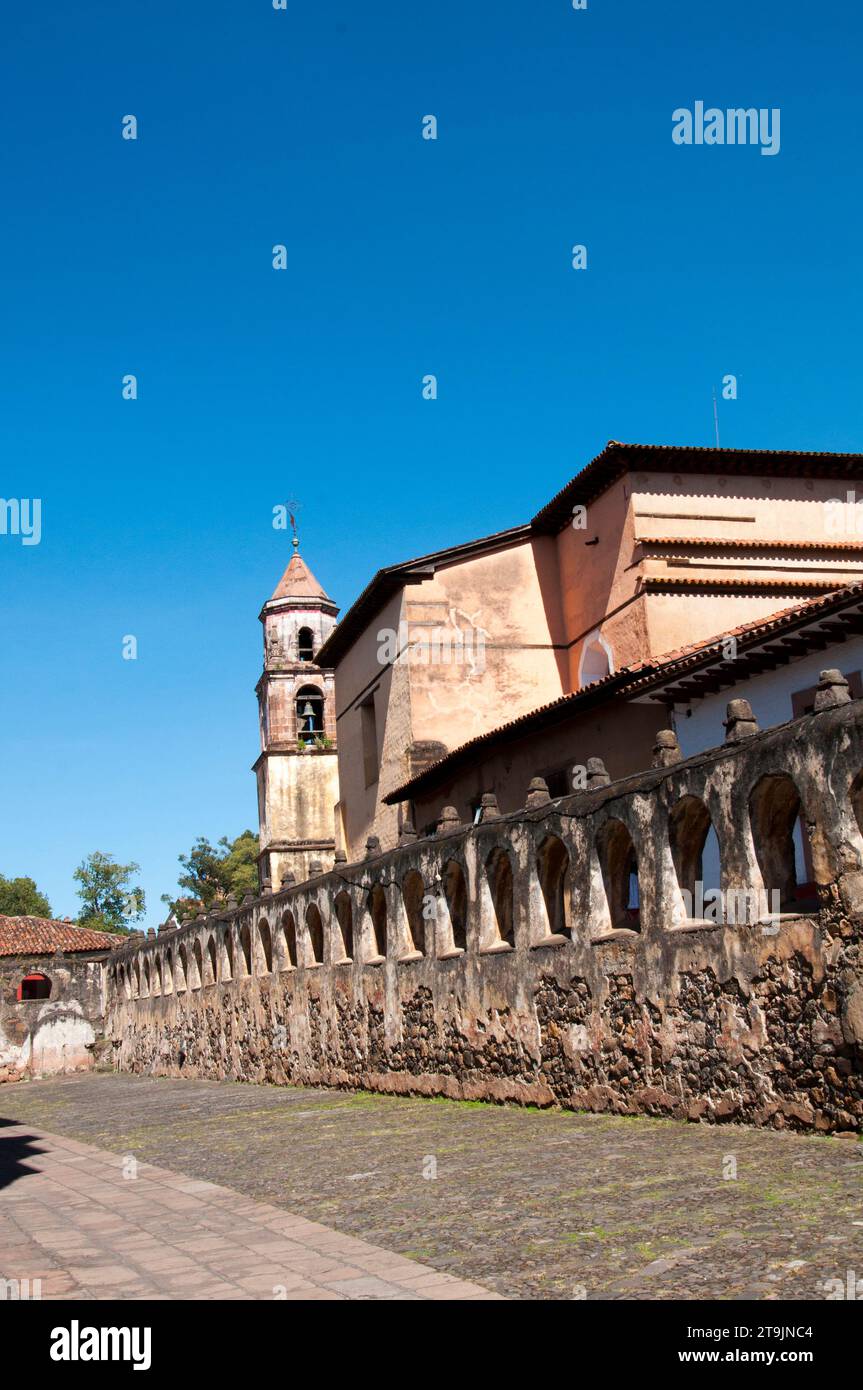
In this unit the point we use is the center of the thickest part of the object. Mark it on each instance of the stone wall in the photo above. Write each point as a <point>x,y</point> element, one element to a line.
<point>39,1037</point>
<point>509,960</point>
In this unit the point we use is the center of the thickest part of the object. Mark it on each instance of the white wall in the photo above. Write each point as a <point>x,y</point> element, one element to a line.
<point>770,697</point>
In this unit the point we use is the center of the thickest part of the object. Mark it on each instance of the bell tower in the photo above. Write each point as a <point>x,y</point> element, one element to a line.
<point>297,770</point>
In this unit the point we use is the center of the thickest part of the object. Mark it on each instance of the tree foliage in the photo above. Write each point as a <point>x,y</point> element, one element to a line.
<point>212,873</point>
<point>19,897</point>
<point>110,900</point>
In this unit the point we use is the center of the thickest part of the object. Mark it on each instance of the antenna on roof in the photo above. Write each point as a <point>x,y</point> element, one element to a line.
<point>715,419</point>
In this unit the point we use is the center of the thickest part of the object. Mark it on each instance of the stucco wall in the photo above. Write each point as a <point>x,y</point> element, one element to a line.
<point>699,725</point>
<point>620,733</point>
<point>505,609</point>
<point>360,677</point>
<point>698,506</point>
<point>43,1036</point>
<point>300,790</point>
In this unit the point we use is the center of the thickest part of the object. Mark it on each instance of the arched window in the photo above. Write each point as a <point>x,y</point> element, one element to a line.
<point>306,644</point>
<point>688,827</point>
<point>266,945</point>
<point>774,811</point>
<point>596,660</point>
<point>345,918</point>
<point>310,714</point>
<point>289,934</point>
<point>182,969</point>
<point>211,957</point>
<point>35,986</point>
<point>498,870</point>
<point>378,911</point>
<point>455,894</point>
<point>552,866</point>
<point>413,893</point>
<point>315,929</point>
<point>619,866</point>
<point>246,944</point>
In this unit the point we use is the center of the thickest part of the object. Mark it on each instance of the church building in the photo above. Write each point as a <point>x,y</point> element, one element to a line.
<point>650,550</point>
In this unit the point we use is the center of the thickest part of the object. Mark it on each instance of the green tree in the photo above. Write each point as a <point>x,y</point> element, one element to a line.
<point>240,864</point>
<point>110,901</point>
<point>212,872</point>
<point>19,897</point>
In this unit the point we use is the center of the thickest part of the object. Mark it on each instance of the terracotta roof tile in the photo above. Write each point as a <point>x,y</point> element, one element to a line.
<point>756,543</point>
<point>41,936</point>
<point>617,458</point>
<point>737,583</point>
<point>299,582</point>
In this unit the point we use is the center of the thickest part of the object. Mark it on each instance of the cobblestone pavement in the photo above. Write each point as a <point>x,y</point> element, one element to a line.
<point>533,1204</point>
<point>75,1225</point>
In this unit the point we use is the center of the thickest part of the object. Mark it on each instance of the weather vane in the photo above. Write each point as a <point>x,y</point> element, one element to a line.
<point>293,507</point>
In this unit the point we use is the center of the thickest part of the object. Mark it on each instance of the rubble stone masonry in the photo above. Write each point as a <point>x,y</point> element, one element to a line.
<point>512,960</point>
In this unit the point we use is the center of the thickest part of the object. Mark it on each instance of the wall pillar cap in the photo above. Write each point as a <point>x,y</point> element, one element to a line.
<point>833,689</point>
<point>537,793</point>
<point>666,749</point>
<point>407,834</point>
<point>449,820</point>
<point>373,847</point>
<point>597,775</point>
<point>489,809</point>
<point>740,722</point>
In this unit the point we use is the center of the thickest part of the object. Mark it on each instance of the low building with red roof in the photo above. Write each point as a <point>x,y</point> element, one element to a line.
<point>51,995</point>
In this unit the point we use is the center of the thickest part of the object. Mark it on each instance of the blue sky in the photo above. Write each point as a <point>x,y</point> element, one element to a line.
<point>405,257</point>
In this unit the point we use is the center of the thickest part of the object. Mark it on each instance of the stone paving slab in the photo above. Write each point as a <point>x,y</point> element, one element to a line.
<point>532,1204</point>
<point>57,1225</point>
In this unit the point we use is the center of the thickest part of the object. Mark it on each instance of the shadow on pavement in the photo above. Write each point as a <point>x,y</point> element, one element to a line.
<point>14,1148</point>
